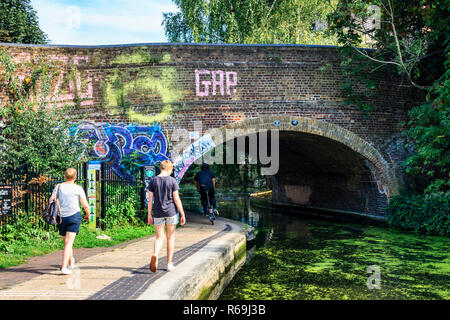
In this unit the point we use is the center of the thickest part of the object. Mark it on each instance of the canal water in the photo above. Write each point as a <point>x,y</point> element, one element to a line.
<point>297,258</point>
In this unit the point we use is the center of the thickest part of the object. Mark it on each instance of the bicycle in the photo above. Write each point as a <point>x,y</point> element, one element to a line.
<point>211,214</point>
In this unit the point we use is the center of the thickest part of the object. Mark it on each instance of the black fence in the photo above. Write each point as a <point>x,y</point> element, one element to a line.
<point>115,190</point>
<point>26,192</point>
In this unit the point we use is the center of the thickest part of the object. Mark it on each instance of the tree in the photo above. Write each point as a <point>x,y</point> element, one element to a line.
<point>250,21</point>
<point>411,39</point>
<point>429,126</point>
<point>408,35</point>
<point>34,133</point>
<point>19,23</point>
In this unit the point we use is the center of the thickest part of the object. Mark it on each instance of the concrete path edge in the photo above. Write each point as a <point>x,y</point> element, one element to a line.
<point>205,274</point>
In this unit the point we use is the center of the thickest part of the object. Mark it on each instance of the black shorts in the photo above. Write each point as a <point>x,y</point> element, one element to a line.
<point>70,224</point>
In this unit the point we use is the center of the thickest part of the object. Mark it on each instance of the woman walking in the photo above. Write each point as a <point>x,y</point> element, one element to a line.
<point>69,196</point>
<point>164,189</point>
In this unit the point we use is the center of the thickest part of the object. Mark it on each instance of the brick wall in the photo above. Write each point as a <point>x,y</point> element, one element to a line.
<point>117,84</point>
<point>177,84</point>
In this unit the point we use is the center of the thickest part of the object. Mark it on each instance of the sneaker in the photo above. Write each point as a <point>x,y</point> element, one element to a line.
<point>170,267</point>
<point>216,212</point>
<point>72,265</point>
<point>66,271</point>
<point>153,263</point>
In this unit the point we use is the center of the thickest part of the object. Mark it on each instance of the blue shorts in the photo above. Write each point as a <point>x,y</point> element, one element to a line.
<point>167,220</point>
<point>70,224</point>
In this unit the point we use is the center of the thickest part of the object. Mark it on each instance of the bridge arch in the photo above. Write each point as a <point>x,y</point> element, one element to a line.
<point>380,169</point>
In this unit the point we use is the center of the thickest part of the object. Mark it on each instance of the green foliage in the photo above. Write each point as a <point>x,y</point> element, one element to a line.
<point>238,176</point>
<point>408,35</point>
<point>249,21</point>
<point>411,39</point>
<point>429,126</point>
<point>429,213</point>
<point>34,134</point>
<point>27,228</point>
<point>230,176</point>
<point>124,212</point>
<point>19,23</point>
<point>132,162</point>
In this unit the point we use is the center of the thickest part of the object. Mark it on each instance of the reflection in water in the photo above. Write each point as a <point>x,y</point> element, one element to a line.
<point>298,258</point>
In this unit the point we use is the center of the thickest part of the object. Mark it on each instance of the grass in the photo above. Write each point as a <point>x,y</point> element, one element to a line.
<point>17,251</point>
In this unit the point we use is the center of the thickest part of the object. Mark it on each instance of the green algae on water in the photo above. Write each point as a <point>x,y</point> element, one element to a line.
<point>305,259</point>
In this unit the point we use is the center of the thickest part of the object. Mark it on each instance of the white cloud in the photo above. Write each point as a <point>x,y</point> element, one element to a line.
<point>103,22</point>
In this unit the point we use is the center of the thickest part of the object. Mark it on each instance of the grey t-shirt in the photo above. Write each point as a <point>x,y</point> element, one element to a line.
<point>163,188</point>
<point>69,198</point>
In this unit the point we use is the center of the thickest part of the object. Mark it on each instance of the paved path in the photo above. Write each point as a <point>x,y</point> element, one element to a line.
<point>116,273</point>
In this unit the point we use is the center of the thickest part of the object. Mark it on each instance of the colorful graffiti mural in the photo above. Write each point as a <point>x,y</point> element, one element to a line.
<point>112,143</point>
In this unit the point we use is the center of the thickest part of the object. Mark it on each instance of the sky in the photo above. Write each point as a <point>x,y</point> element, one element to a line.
<point>102,21</point>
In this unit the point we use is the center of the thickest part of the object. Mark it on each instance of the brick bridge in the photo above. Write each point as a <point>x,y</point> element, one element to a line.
<point>331,154</point>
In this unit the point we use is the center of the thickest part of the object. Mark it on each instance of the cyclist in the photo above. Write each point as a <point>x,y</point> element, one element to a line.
<point>205,182</point>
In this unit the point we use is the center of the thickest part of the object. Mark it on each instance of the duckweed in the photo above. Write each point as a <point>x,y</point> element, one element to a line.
<point>305,259</point>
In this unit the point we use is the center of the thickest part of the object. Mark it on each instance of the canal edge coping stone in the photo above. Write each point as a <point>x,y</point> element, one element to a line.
<point>205,274</point>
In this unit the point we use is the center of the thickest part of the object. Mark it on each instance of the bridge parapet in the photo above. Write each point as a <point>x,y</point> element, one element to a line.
<point>225,86</point>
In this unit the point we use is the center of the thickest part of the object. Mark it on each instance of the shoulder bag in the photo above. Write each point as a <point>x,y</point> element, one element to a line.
<point>53,211</point>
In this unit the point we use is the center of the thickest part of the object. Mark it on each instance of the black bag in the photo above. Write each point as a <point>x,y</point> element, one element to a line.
<point>52,212</point>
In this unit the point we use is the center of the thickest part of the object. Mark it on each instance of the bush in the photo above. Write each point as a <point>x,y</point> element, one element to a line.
<point>30,123</point>
<point>125,212</point>
<point>429,213</point>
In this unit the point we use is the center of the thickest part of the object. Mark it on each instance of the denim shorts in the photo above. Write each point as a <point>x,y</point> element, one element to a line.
<point>70,224</point>
<point>167,220</point>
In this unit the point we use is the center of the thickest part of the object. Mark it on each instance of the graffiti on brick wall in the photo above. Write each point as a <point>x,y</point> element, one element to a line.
<point>195,151</point>
<point>215,82</point>
<point>79,86</point>
<point>377,177</point>
<point>84,92</point>
<point>111,143</point>
<point>121,93</point>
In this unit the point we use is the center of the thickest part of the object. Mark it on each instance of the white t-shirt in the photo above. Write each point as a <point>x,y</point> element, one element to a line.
<point>69,197</point>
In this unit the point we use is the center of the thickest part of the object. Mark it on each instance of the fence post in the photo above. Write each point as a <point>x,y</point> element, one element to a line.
<point>102,195</point>
<point>148,173</point>
<point>26,187</point>
<point>143,188</point>
<point>85,174</point>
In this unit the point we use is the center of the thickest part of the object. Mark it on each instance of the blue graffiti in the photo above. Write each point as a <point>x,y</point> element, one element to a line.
<point>112,143</point>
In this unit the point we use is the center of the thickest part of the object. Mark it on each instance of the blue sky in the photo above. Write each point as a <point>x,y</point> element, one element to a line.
<point>102,21</point>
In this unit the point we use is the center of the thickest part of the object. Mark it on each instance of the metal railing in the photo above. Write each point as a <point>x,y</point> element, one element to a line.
<point>30,189</point>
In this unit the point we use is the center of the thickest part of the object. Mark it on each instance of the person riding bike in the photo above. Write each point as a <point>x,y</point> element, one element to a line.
<point>206,183</point>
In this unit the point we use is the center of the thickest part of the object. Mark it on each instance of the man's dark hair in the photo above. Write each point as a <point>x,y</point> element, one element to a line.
<point>205,166</point>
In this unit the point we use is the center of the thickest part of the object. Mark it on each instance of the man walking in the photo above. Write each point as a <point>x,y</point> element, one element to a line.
<point>164,189</point>
<point>205,182</point>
